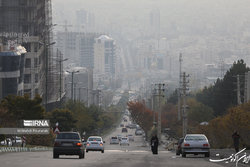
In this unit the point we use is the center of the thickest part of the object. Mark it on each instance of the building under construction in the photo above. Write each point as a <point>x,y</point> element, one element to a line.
<point>29,23</point>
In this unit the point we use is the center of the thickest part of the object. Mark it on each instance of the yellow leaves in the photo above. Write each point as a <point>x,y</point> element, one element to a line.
<point>220,129</point>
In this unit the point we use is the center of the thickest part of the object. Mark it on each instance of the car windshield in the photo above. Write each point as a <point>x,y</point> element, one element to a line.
<point>94,139</point>
<point>124,139</point>
<point>113,137</point>
<point>195,138</point>
<point>68,136</point>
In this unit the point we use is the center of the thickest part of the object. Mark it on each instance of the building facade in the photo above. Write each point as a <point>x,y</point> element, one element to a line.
<point>28,23</point>
<point>104,59</point>
<point>11,74</point>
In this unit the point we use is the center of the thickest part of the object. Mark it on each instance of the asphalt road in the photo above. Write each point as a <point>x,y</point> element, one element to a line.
<point>135,155</point>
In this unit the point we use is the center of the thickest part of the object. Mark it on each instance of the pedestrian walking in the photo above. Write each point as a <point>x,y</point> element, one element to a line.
<point>236,140</point>
<point>154,144</point>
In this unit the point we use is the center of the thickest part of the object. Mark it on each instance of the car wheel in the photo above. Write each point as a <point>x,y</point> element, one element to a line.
<point>102,151</point>
<point>183,155</point>
<point>207,155</point>
<point>55,155</point>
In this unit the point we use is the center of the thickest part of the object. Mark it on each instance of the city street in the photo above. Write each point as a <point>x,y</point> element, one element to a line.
<point>135,155</point>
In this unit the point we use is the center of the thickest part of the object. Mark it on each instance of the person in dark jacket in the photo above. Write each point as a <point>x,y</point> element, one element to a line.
<point>154,144</point>
<point>236,140</point>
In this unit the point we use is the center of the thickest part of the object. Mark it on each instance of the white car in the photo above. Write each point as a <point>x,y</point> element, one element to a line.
<point>7,142</point>
<point>114,140</point>
<point>195,144</point>
<point>124,141</point>
<point>95,143</point>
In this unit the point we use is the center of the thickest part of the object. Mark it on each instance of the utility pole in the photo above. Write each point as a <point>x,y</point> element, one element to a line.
<point>72,83</point>
<point>160,88</point>
<point>184,107</point>
<point>60,64</point>
<point>238,90</point>
<point>179,90</point>
<point>75,92</point>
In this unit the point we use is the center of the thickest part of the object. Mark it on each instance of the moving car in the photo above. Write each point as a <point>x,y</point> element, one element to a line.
<point>178,149</point>
<point>195,144</point>
<point>124,141</point>
<point>119,137</point>
<point>114,140</point>
<point>122,125</point>
<point>138,132</point>
<point>124,130</point>
<point>68,143</point>
<point>131,137</point>
<point>95,143</point>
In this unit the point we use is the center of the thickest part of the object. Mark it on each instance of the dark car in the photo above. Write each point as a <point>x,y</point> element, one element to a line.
<point>178,149</point>
<point>68,143</point>
<point>124,130</point>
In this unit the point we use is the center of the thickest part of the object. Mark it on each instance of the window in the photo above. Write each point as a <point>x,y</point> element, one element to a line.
<point>36,92</point>
<point>36,62</point>
<point>27,78</point>
<point>36,78</point>
<point>27,63</point>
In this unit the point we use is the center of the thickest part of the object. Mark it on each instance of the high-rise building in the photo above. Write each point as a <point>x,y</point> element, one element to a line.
<point>28,23</point>
<point>104,58</point>
<point>77,47</point>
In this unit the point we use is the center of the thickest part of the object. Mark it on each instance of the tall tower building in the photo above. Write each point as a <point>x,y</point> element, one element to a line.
<point>104,58</point>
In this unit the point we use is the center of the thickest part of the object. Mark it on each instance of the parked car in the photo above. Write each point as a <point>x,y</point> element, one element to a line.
<point>6,142</point>
<point>114,140</point>
<point>124,130</point>
<point>17,141</point>
<point>68,143</point>
<point>124,141</point>
<point>95,143</point>
<point>131,137</point>
<point>195,144</point>
<point>178,148</point>
<point>122,125</point>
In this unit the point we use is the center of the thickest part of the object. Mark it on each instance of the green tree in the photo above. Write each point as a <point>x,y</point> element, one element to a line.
<point>21,107</point>
<point>199,112</point>
<point>64,117</point>
<point>222,95</point>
